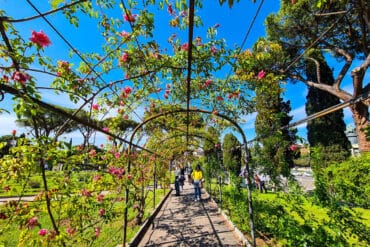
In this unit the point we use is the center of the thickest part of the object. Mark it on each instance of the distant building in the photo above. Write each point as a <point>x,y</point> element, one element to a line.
<point>352,137</point>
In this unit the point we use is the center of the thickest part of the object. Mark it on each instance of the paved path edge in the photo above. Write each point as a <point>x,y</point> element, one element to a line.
<point>236,230</point>
<point>144,227</point>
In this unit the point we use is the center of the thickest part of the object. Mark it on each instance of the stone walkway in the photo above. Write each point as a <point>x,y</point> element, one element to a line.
<point>184,222</point>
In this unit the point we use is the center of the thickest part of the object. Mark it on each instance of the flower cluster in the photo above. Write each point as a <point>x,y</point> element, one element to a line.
<point>116,171</point>
<point>21,77</point>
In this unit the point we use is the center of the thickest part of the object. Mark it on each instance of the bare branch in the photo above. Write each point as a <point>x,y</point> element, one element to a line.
<point>331,13</point>
<point>343,95</point>
<point>318,73</point>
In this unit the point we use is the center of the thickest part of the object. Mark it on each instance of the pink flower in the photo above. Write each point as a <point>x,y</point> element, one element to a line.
<point>129,176</point>
<point>96,177</point>
<point>95,107</point>
<point>106,129</point>
<point>92,153</point>
<point>14,132</point>
<point>101,211</point>
<point>118,172</point>
<point>100,197</point>
<point>185,47</point>
<point>20,77</point>
<point>85,192</point>
<point>124,58</point>
<point>125,35</point>
<point>207,83</point>
<point>31,223</point>
<point>261,75</point>
<point>116,155</point>
<point>40,39</point>
<point>71,231</point>
<point>97,231</point>
<point>43,232</point>
<point>7,188</point>
<point>293,147</point>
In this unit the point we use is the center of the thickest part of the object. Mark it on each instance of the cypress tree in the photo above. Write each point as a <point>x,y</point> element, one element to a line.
<point>330,129</point>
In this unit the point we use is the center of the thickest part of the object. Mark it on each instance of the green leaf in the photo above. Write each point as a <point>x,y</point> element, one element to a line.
<point>55,3</point>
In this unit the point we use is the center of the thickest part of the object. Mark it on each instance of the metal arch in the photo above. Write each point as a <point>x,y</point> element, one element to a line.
<point>246,161</point>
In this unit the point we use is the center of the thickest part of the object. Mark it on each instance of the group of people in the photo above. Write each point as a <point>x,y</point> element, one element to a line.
<point>195,177</point>
<point>261,182</point>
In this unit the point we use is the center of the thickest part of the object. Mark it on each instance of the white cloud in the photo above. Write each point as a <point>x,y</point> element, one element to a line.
<point>7,124</point>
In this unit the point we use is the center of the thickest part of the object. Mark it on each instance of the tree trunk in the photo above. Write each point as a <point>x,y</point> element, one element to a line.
<point>360,117</point>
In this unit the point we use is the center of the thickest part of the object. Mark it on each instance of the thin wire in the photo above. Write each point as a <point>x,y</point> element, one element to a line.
<point>246,35</point>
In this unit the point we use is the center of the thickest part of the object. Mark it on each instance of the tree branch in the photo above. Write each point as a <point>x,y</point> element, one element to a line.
<point>343,95</point>
<point>44,14</point>
<point>318,73</point>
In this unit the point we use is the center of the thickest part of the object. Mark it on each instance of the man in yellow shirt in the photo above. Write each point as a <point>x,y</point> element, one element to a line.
<point>197,176</point>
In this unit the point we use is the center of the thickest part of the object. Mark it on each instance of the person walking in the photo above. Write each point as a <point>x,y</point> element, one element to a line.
<point>197,176</point>
<point>177,180</point>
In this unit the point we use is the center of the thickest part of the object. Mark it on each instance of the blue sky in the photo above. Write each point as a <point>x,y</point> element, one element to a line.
<point>234,24</point>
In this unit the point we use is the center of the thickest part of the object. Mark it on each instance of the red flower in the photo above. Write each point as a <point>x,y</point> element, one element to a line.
<point>101,211</point>
<point>219,98</point>
<point>43,232</point>
<point>3,216</point>
<point>127,90</point>
<point>124,58</point>
<point>130,17</point>
<point>169,9</point>
<point>261,75</point>
<point>7,188</point>
<point>95,107</point>
<point>40,39</point>
<point>14,132</point>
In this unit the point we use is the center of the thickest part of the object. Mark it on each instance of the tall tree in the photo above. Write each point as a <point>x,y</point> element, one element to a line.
<point>232,154</point>
<point>256,68</point>
<point>318,100</point>
<point>340,29</point>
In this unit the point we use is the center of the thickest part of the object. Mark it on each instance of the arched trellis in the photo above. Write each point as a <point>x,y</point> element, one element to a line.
<point>246,161</point>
